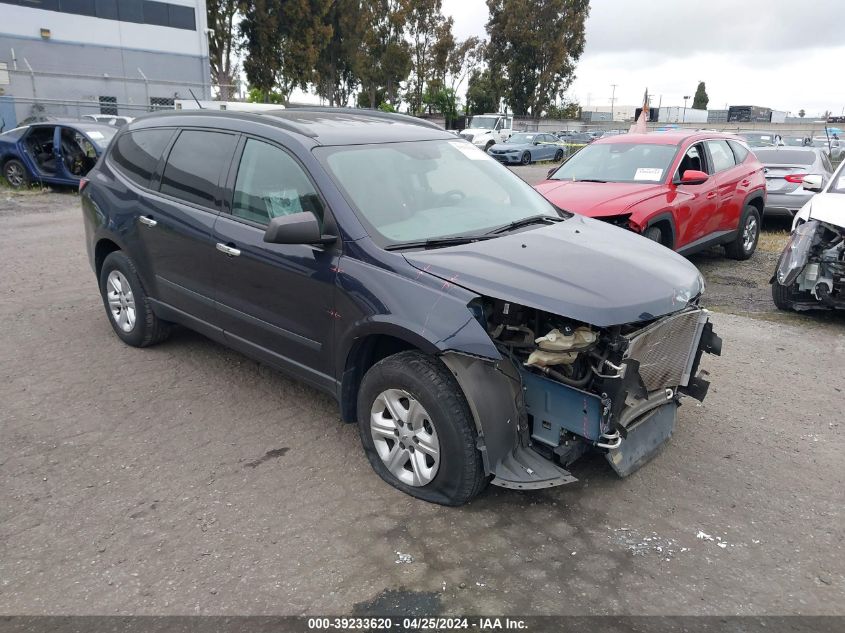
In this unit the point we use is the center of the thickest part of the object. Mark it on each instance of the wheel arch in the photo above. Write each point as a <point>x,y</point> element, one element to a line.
<point>664,219</point>
<point>755,199</point>
<point>103,248</point>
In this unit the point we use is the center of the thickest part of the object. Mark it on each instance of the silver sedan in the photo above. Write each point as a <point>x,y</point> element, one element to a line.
<point>785,169</point>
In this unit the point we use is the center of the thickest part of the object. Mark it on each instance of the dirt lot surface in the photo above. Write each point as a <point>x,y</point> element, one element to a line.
<point>186,478</point>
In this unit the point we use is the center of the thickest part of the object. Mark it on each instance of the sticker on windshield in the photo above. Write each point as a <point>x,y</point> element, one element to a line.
<point>96,135</point>
<point>648,173</point>
<point>469,150</point>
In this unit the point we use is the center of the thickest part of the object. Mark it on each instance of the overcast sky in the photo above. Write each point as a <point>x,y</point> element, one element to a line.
<point>783,54</point>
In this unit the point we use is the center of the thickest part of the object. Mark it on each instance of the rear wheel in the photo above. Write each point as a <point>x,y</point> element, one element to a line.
<point>526,158</point>
<point>558,155</point>
<point>745,243</point>
<point>417,430</point>
<point>15,173</point>
<point>127,305</point>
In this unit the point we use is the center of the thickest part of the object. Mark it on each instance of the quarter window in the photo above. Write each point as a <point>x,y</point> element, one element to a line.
<point>137,154</point>
<point>721,154</point>
<point>740,151</point>
<point>194,166</point>
<point>270,183</point>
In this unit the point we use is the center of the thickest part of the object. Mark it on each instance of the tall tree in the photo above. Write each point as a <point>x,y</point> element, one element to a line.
<point>463,59</point>
<point>480,93</point>
<point>283,40</point>
<point>700,100</point>
<point>535,44</point>
<point>428,29</point>
<point>802,113</point>
<point>223,42</point>
<point>385,55</point>
<point>338,64</point>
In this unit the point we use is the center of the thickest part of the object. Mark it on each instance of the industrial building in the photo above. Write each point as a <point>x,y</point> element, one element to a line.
<point>74,57</point>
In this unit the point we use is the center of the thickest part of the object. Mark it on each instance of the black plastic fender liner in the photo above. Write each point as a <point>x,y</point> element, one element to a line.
<point>493,390</point>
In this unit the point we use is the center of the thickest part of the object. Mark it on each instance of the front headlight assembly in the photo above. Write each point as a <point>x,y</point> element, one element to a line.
<point>797,251</point>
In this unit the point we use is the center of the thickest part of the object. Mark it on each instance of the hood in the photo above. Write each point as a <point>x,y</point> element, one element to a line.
<point>580,268</point>
<point>824,207</point>
<point>596,199</point>
<point>476,131</point>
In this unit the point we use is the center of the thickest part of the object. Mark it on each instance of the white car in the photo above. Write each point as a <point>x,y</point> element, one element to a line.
<point>485,130</point>
<point>811,270</point>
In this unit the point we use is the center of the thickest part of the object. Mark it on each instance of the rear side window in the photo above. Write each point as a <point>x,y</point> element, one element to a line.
<point>270,183</point>
<point>723,157</point>
<point>136,154</point>
<point>740,152</point>
<point>194,165</point>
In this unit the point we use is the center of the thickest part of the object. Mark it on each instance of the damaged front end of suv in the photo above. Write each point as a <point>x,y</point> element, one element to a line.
<point>565,387</point>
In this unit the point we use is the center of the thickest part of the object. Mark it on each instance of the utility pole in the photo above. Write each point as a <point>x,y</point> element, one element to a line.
<point>612,102</point>
<point>686,97</point>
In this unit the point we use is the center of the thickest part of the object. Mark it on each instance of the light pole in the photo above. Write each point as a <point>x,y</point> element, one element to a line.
<point>686,98</point>
<point>612,102</point>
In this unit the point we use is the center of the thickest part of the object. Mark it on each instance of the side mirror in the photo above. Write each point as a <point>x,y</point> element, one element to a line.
<point>812,183</point>
<point>694,177</point>
<point>536,142</point>
<point>297,228</point>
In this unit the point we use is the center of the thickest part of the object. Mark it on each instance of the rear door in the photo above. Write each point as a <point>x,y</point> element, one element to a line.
<point>276,300</point>
<point>175,226</point>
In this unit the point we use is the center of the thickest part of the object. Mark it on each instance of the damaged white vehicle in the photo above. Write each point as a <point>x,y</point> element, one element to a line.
<point>811,270</point>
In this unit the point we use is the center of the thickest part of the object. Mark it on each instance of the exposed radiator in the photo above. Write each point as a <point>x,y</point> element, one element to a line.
<point>666,349</point>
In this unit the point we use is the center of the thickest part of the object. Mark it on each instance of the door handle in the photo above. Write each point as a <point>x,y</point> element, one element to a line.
<point>147,220</point>
<point>231,252</point>
<point>745,183</point>
<point>712,195</point>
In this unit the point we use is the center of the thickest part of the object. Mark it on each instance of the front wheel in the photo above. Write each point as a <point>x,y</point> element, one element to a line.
<point>782,296</point>
<point>526,158</point>
<point>654,234</point>
<point>489,145</point>
<point>745,243</point>
<point>417,430</point>
<point>15,174</point>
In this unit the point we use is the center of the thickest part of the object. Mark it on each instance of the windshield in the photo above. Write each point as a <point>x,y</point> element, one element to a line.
<point>521,138</point>
<point>406,192</point>
<point>837,184</point>
<point>487,122</point>
<point>619,162</point>
<point>785,157</point>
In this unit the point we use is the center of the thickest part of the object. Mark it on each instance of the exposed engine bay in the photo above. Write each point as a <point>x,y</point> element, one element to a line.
<point>615,389</point>
<point>812,266</point>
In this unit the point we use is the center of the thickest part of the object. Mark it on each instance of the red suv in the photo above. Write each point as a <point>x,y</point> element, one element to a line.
<point>685,190</point>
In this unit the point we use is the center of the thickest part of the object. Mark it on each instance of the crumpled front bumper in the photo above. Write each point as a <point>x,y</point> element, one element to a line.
<point>518,415</point>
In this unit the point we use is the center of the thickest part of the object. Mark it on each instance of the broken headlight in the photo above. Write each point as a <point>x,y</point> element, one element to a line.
<point>797,251</point>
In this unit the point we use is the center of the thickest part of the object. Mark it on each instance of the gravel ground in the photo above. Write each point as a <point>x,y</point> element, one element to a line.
<point>187,479</point>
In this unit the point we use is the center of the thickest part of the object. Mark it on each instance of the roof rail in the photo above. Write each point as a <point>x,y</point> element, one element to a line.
<point>257,116</point>
<point>376,114</point>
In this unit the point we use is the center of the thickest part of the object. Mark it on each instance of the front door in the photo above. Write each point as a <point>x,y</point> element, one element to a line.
<point>728,176</point>
<point>275,300</point>
<point>696,205</point>
<point>176,226</point>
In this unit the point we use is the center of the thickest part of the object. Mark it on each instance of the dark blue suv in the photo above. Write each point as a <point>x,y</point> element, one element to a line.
<point>474,332</point>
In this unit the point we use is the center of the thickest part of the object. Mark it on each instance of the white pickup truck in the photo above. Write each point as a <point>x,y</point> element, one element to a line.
<point>485,130</point>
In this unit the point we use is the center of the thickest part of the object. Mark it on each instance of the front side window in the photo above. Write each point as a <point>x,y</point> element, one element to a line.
<point>194,166</point>
<point>270,183</point>
<point>412,191</point>
<point>693,160</point>
<point>136,154</point>
<point>721,155</point>
<point>521,139</point>
<point>619,162</point>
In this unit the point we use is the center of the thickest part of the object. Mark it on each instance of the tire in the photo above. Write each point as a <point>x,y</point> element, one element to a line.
<point>526,158</point>
<point>444,422</point>
<point>558,156</point>
<point>654,233</point>
<point>489,145</point>
<point>15,174</point>
<point>745,244</point>
<point>781,296</point>
<point>146,328</point>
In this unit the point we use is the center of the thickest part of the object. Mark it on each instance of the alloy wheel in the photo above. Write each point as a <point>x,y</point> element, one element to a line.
<point>749,234</point>
<point>15,175</point>
<point>405,437</point>
<point>121,301</point>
